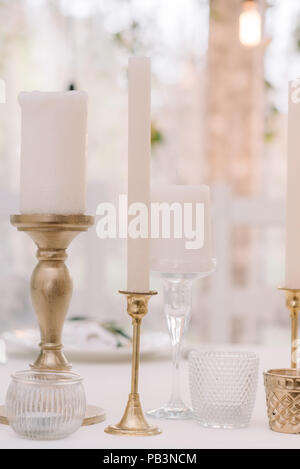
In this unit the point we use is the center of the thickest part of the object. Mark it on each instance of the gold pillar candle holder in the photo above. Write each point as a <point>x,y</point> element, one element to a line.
<point>51,288</point>
<point>133,421</point>
<point>51,283</point>
<point>283,385</point>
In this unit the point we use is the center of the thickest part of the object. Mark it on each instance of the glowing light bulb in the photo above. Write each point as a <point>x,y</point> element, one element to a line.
<point>250,24</point>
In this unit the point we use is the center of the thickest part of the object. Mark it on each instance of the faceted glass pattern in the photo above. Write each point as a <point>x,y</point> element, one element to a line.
<point>223,387</point>
<point>283,399</point>
<point>43,405</point>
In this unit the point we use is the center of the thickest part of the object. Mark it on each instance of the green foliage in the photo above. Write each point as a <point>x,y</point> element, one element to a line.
<point>297,35</point>
<point>110,326</point>
<point>268,85</point>
<point>269,136</point>
<point>271,112</point>
<point>129,38</point>
<point>156,135</point>
<point>116,330</point>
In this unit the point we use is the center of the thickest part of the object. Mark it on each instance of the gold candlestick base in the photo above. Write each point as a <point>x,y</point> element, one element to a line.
<point>51,288</point>
<point>133,421</point>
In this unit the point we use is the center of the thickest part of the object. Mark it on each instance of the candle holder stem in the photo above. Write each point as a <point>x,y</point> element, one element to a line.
<point>294,338</point>
<point>177,309</point>
<point>136,322</point>
<point>293,305</point>
<point>133,421</point>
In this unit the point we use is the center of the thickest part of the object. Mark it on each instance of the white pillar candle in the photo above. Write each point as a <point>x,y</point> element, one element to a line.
<point>171,255</point>
<point>292,256</point>
<point>53,160</point>
<point>139,108</point>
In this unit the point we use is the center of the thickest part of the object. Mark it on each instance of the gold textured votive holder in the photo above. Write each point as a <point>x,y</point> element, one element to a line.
<point>283,385</point>
<point>283,399</point>
<point>133,421</point>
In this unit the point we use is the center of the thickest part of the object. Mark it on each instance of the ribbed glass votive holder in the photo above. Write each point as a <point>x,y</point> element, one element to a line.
<point>223,387</point>
<point>45,405</point>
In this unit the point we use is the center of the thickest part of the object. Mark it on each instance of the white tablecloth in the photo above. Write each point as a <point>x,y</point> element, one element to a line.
<point>107,385</point>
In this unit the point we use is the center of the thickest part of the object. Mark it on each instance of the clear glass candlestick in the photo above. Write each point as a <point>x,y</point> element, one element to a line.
<point>177,309</point>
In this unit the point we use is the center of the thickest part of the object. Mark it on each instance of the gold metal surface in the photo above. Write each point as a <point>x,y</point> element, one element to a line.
<point>93,415</point>
<point>51,284</point>
<point>3,418</point>
<point>133,421</point>
<point>293,304</point>
<point>283,399</point>
<point>51,289</point>
<point>283,385</point>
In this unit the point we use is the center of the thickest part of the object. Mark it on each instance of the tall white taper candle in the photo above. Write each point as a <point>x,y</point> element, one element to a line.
<point>139,105</point>
<point>292,259</point>
<point>53,160</point>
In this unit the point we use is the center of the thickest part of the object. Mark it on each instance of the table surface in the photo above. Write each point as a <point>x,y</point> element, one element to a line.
<point>107,385</point>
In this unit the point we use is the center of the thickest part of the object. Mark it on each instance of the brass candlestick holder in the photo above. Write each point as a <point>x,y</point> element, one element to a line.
<point>292,302</point>
<point>283,385</point>
<point>51,288</point>
<point>133,421</point>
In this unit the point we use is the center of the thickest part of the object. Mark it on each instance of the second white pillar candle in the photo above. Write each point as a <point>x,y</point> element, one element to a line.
<point>171,255</point>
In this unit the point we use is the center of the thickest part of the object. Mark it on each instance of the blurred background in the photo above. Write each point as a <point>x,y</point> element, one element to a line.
<point>219,112</point>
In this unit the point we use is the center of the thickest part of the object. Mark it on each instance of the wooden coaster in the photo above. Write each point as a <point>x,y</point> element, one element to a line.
<point>3,418</point>
<point>93,415</point>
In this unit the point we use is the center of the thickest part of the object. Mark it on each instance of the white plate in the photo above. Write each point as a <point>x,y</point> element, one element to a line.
<point>83,343</point>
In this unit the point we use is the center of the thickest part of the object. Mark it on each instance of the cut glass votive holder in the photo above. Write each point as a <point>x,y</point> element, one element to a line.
<point>45,405</point>
<point>223,387</point>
